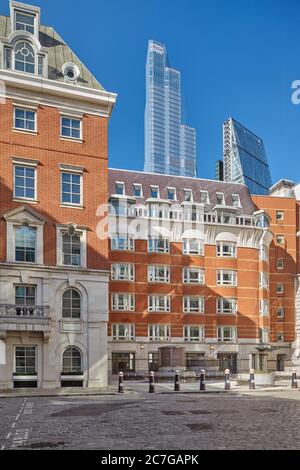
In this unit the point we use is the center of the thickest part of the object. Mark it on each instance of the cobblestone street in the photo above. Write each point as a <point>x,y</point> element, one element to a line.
<point>160,421</point>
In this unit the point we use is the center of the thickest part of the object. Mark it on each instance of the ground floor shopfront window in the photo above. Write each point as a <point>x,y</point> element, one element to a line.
<point>123,362</point>
<point>194,360</point>
<point>259,362</point>
<point>228,361</point>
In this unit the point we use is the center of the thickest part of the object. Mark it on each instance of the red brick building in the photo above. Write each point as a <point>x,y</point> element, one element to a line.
<point>53,176</point>
<point>196,264</point>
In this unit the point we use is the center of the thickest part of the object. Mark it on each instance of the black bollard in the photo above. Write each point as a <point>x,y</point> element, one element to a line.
<point>121,385</point>
<point>202,380</point>
<point>227,379</point>
<point>294,379</point>
<point>251,380</point>
<point>177,383</point>
<point>151,383</point>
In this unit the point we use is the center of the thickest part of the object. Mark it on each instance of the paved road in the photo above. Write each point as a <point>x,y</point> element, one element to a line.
<point>239,420</point>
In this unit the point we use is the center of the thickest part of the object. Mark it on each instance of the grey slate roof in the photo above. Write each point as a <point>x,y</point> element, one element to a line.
<point>181,183</point>
<point>58,54</point>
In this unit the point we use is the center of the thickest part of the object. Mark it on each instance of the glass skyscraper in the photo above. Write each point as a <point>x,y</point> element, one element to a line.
<point>170,146</point>
<point>245,159</point>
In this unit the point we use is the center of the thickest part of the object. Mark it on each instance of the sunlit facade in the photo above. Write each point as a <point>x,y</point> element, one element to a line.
<point>170,146</point>
<point>245,159</point>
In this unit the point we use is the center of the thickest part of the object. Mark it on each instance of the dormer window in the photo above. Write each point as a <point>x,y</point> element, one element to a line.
<point>188,195</point>
<point>171,194</point>
<point>236,200</point>
<point>24,57</point>
<point>220,199</point>
<point>25,18</point>
<point>154,192</point>
<point>120,188</point>
<point>204,199</point>
<point>24,21</point>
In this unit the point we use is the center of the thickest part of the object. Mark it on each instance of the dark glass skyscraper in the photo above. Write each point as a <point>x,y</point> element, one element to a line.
<point>245,159</point>
<point>170,146</point>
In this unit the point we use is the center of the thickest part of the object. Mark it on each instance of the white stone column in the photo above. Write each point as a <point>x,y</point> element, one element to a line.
<point>97,354</point>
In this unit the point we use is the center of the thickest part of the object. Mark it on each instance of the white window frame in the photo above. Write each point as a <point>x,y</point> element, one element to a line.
<point>164,249</point>
<point>155,188</point>
<point>115,332</point>
<point>36,357</point>
<point>207,200</point>
<point>279,216</point>
<point>190,192</point>
<point>116,242</point>
<point>121,184</point>
<point>137,185</point>
<point>174,193</point>
<point>280,312</point>
<point>154,303</point>
<point>154,276</point>
<point>280,239</point>
<point>82,232</point>
<point>74,173</point>
<point>220,307</point>
<point>264,307</point>
<point>71,118</point>
<point>154,333</point>
<point>281,291</point>
<point>223,198</point>
<point>232,253</point>
<point>280,266</point>
<point>263,280</point>
<point>25,109</point>
<point>116,272</point>
<point>238,200</point>
<point>187,304</point>
<point>128,305</point>
<point>188,248</point>
<point>193,339</point>
<point>220,334</point>
<point>187,275</point>
<point>280,337</point>
<point>31,167</point>
<point>220,277</point>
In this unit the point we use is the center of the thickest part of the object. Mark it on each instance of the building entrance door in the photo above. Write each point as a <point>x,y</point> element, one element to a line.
<point>281,362</point>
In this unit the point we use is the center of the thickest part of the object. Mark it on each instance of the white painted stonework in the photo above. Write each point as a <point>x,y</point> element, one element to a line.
<point>52,334</point>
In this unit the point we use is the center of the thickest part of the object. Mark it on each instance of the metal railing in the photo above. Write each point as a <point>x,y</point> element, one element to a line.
<point>24,311</point>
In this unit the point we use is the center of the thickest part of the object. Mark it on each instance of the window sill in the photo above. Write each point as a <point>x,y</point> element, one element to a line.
<point>26,200</point>
<point>71,139</point>
<point>71,266</point>
<point>72,206</point>
<point>24,131</point>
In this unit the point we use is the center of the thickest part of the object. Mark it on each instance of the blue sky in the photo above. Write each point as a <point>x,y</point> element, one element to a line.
<point>237,58</point>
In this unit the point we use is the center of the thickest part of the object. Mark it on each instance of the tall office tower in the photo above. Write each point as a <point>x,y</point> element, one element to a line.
<point>219,170</point>
<point>245,159</point>
<point>170,146</point>
<point>54,269</point>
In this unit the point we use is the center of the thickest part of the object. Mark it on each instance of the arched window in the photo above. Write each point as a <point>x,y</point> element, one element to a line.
<point>72,361</point>
<point>24,57</point>
<point>71,304</point>
<point>25,243</point>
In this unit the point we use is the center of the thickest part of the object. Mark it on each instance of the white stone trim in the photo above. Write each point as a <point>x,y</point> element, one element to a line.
<point>83,246</point>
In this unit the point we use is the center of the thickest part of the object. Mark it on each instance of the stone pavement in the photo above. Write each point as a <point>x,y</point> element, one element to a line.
<point>241,419</point>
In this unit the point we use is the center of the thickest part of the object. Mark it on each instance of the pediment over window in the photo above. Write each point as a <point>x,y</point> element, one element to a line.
<point>24,215</point>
